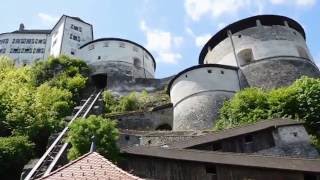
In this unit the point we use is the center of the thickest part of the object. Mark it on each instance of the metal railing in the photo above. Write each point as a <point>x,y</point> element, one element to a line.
<point>50,158</point>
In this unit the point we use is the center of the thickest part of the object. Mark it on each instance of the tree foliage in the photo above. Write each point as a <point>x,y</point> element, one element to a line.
<point>34,99</point>
<point>14,153</point>
<point>104,131</point>
<point>133,101</point>
<point>299,101</point>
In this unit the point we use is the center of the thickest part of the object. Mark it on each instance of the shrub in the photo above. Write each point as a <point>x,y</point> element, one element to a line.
<point>105,132</point>
<point>14,153</point>
<point>300,101</point>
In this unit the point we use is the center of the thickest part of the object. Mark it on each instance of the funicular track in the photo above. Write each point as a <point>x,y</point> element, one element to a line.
<point>49,159</point>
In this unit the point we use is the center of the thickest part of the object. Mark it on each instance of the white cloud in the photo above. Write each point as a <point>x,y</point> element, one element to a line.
<point>162,43</point>
<point>48,19</point>
<point>294,2</point>
<point>196,9</point>
<point>216,8</point>
<point>202,40</point>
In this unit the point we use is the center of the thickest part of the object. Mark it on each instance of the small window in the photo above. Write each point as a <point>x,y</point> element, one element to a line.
<point>248,138</point>
<point>209,71</point>
<point>137,62</point>
<point>72,52</point>
<point>121,44</point>
<point>99,57</point>
<point>149,141</point>
<point>106,44</point>
<point>211,169</point>
<point>135,49</point>
<point>186,75</point>
<point>239,36</point>
<point>222,72</point>
<point>91,46</point>
<point>127,137</point>
<point>302,52</point>
<point>245,56</point>
<point>295,134</point>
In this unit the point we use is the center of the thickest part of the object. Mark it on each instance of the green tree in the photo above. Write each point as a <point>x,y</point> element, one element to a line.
<point>105,132</point>
<point>299,101</point>
<point>14,153</point>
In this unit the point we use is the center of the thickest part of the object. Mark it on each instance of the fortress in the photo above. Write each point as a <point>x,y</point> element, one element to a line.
<point>266,51</point>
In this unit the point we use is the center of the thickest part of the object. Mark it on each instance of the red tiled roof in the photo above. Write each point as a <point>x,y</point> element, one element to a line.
<point>90,166</point>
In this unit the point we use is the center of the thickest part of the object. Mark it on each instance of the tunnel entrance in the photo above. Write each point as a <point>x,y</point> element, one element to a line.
<point>99,80</point>
<point>164,127</point>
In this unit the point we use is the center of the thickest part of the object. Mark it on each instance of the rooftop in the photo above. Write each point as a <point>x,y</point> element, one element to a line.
<point>228,133</point>
<point>234,159</point>
<point>90,166</point>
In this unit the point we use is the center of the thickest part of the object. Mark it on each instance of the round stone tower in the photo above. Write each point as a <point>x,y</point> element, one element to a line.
<point>198,92</point>
<point>117,59</point>
<point>269,50</point>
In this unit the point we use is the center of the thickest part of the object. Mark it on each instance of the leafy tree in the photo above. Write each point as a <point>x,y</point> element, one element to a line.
<point>105,132</point>
<point>110,102</point>
<point>299,101</point>
<point>14,153</point>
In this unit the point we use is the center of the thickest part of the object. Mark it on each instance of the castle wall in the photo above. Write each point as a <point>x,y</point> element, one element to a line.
<point>197,94</point>
<point>116,57</point>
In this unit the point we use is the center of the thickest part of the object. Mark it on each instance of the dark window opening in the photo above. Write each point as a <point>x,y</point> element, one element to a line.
<point>137,62</point>
<point>99,57</point>
<point>248,138</point>
<point>209,71</point>
<point>149,142</point>
<point>72,52</point>
<point>127,137</point>
<point>164,127</point>
<point>222,72</point>
<point>211,169</point>
<point>239,36</point>
<point>186,75</point>
<point>295,134</point>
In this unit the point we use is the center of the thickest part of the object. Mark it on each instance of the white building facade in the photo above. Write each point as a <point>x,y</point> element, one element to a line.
<point>74,37</point>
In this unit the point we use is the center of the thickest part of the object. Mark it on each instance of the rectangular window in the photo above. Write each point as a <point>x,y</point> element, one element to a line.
<point>80,29</point>
<point>38,50</point>
<point>2,51</point>
<point>23,41</point>
<point>36,41</point>
<point>44,41</point>
<point>106,44</point>
<point>17,41</point>
<point>121,44</point>
<point>91,47</point>
<point>135,49</point>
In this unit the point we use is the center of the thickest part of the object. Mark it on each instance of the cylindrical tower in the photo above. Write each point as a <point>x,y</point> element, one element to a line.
<point>197,93</point>
<point>118,58</point>
<point>270,51</point>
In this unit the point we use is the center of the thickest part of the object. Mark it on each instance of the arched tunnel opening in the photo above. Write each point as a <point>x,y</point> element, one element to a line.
<point>99,80</point>
<point>164,127</point>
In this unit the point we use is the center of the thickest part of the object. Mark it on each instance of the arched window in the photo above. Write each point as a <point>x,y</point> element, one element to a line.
<point>136,62</point>
<point>245,56</point>
<point>302,52</point>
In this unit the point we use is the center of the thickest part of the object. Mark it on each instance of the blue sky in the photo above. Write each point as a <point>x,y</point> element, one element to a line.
<point>173,30</point>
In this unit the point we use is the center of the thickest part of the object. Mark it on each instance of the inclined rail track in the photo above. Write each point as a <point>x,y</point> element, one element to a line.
<point>50,158</point>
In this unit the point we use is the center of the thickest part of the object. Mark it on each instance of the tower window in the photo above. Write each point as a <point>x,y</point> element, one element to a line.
<point>245,56</point>
<point>106,44</point>
<point>99,57</point>
<point>121,44</point>
<point>136,62</point>
<point>209,71</point>
<point>302,52</point>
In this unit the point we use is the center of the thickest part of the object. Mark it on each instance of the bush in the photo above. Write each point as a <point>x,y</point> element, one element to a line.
<point>14,153</point>
<point>299,101</point>
<point>105,132</point>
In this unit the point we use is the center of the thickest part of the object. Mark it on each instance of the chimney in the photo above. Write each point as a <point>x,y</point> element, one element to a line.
<point>21,27</point>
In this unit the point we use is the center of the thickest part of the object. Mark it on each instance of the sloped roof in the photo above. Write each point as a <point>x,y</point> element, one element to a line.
<point>233,159</point>
<point>90,166</point>
<point>33,31</point>
<point>232,132</point>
